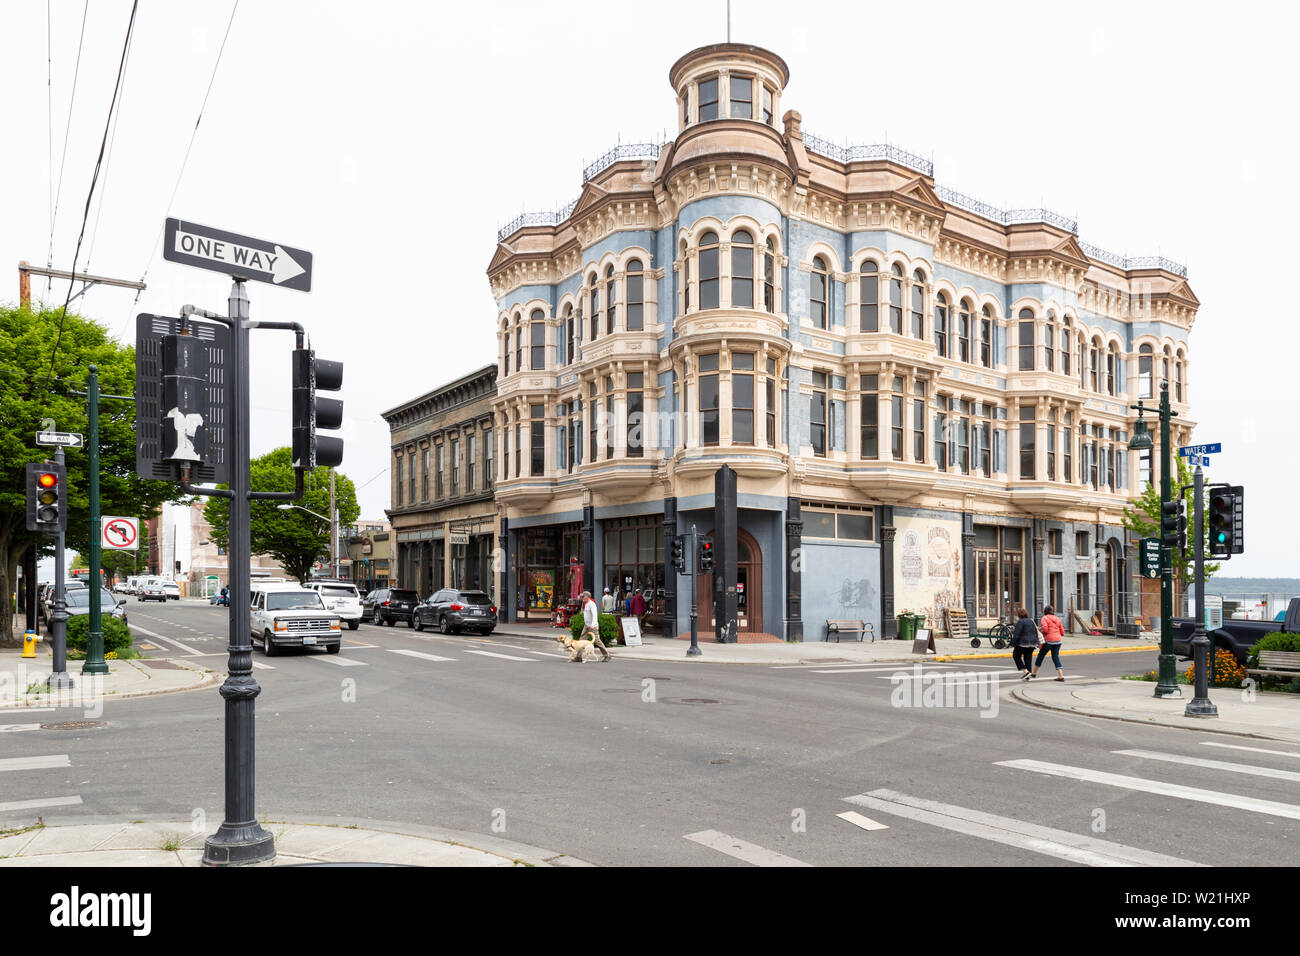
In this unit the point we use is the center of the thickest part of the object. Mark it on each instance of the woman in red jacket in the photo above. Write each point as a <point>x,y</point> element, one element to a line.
<point>1053,634</point>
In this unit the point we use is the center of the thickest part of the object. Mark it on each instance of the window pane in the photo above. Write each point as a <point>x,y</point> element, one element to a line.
<point>855,527</point>
<point>819,524</point>
<point>742,97</point>
<point>709,99</point>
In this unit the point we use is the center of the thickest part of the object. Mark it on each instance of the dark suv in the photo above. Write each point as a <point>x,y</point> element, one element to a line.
<point>451,611</point>
<point>392,605</point>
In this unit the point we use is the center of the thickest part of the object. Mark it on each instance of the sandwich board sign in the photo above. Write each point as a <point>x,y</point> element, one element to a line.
<point>631,631</point>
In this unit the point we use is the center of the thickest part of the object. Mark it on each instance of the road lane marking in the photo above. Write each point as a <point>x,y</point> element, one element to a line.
<point>35,763</point>
<point>1212,764</point>
<point>859,820</point>
<point>263,667</point>
<point>504,657</point>
<point>892,669</point>
<point>1048,841</point>
<point>168,640</point>
<point>419,654</point>
<point>18,728</point>
<point>1270,807</point>
<point>741,850</point>
<point>338,659</point>
<point>37,804</point>
<point>908,675</point>
<point>1258,750</point>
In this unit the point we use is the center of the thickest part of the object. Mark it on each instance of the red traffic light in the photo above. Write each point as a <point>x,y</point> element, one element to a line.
<point>48,479</point>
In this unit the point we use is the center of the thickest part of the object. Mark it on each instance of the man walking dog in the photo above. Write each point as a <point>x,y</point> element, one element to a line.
<point>591,625</point>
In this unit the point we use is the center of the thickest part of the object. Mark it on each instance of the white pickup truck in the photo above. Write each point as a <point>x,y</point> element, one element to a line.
<point>293,616</point>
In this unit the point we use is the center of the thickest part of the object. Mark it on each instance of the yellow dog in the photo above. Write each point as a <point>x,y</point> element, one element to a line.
<point>578,650</point>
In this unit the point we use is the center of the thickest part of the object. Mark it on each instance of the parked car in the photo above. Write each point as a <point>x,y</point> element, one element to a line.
<point>221,598</point>
<point>1236,636</point>
<point>153,591</point>
<point>172,590</point>
<point>78,601</point>
<point>368,606</point>
<point>394,604</point>
<point>451,611</point>
<point>341,598</point>
<point>293,616</point>
<point>45,596</point>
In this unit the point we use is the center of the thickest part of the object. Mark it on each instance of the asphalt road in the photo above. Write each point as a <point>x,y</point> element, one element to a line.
<point>681,763</point>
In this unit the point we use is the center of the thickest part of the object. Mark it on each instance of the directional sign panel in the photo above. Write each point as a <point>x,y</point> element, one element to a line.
<point>119,534</point>
<point>1201,450</point>
<point>66,439</point>
<point>236,255</point>
<point>1149,556</point>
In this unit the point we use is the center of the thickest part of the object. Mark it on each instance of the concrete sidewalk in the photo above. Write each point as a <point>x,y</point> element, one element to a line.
<point>22,680</point>
<point>1269,716</point>
<point>174,843</point>
<point>819,652</point>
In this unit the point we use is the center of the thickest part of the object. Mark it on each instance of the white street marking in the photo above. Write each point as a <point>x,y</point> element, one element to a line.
<point>858,819</point>
<point>907,675</point>
<point>1270,807</point>
<point>338,659</point>
<point>891,669</point>
<point>263,667</point>
<point>18,728</point>
<point>504,657</point>
<point>1213,764</point>
<point>167,640</point>
<point>1026,836</point>
<point>749,852</point>
<point>35,763</point>
<point>37,804</point>
<point>1258,750</point>
<point>419,654</point>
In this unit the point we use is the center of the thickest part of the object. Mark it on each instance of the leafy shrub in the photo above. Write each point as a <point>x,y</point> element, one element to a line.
<point>608,624</point>
<point>1276,641</point>
<point>117,636</point>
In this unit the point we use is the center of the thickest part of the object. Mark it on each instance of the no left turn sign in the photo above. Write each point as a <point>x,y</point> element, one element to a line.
<point>119,534</point>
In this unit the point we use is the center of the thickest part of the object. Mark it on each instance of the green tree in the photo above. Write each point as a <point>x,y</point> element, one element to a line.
<point>26,404</point>
<point>1143,518</point>
<point>291,536</point>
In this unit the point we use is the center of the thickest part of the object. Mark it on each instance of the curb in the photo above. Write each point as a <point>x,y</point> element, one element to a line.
<point>1083,650</point>
<point>1207,729</point>
<point>209,680</point>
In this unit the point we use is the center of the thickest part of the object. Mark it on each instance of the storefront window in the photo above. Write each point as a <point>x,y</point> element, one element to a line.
<point>634,560</point>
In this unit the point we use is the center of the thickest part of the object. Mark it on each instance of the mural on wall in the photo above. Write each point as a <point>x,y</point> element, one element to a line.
<point>839,582</point>
<point>927,566</point>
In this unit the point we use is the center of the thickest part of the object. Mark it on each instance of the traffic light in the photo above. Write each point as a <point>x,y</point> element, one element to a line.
<point>679,554</point>
<point>312,375</point>
<point>46,510</point>
<point>1173,524</point>
<point>706,557</point>
<point>1225,520</point>
<point>184,360</point>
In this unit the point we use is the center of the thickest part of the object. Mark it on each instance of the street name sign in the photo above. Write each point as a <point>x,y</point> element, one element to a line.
<point>236,255</point>
<point>119,534</point>
<point>1200,450</point>
<point>66,439</point>
<point>1149,555</point>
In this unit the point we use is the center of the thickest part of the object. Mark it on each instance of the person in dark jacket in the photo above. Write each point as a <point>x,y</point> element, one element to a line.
<point>1053,636</point>
<point>1023,642</point>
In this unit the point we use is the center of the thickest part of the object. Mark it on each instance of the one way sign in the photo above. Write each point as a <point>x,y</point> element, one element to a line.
<point>236,255</point>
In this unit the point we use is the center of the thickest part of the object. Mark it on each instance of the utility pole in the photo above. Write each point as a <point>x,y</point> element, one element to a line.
<point>334,532</point>
<point>26,271</point>
<point>58,628</point>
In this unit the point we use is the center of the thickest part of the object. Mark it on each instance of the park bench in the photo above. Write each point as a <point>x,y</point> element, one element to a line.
<point>860,628</point>
<point>1277,664</point>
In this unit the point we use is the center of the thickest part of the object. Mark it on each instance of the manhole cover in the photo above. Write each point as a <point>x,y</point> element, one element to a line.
<point>162,665</point>
<point>75,725</point>
<point>722,760</point>
<point>698,700</point>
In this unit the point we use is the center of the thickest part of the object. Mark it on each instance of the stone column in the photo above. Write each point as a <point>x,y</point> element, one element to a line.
<point>1036,581</point>
<point>888,623</point>
<point>793,571</point>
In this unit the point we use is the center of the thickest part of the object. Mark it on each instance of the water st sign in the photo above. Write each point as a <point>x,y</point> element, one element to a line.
<point>1188,451</point>
<point>1149,557</point>
<point>235,255</point>
<point>65,439</point>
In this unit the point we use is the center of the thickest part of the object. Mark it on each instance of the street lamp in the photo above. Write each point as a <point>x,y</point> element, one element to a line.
<point>1167,684</point>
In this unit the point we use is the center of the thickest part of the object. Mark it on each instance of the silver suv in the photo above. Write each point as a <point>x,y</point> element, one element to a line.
<point>341,598</point>
<point>292,616</point>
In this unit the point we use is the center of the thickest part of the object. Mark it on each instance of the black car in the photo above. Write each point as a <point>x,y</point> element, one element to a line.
<point>452,610</point>
<point>391,605</point>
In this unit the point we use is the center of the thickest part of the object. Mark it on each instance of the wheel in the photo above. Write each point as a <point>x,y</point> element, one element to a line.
<point>417,622</point>
<point>353,625</point>
<point>268,646</point>
<point>974,642</point>
<point>333,648</point>
<point>410,621</point>
<point>999,643</point>
<point>443,626</point>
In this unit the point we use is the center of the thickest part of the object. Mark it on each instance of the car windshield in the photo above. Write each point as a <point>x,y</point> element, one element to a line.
<point>80,597</point>
<point>338,591</point>
<point>293,601</point>
<point>475,597</point>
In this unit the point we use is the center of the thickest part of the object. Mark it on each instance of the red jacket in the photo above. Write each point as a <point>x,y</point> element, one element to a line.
<point>1052,628</point>
<point>638,604</point>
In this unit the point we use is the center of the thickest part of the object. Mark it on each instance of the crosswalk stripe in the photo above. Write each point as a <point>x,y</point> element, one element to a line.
<point>263,667</point>
<point>857,819</point>
<point>741,850</point>
<point>1258,750</point>
<point>504,657</point>
<point>166,640</point>
<point>1213,764</point>
<point>420,654</point>
<point>338,659</point>
<point>18,728</point>
<point>1048,841</point>
<point>1270,807</point>
<point>891,669</point>
<point>37,804</point>
<point>35,763</point>
<point>906,675</point>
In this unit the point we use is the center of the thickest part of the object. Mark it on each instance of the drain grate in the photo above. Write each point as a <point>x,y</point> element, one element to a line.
<point>698,700</point>
<point>75,725</point>
<point>722,760</point>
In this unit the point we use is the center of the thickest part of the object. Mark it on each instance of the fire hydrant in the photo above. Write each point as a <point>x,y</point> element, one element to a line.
<point>29,643</point>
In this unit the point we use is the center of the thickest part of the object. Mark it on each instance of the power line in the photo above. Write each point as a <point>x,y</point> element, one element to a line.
<point>85,215</point>
<point>49,118</point>
<point>63,162</point>
<point>381,471</point>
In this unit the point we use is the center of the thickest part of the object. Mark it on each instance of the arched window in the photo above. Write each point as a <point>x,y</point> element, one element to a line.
<point>537,340</point>
<point>986,337</point>
<point>1178,378</point>
<point>918,304</point>
<point>1083,361</point>
<point>686,279</point>
<point>519,343</point>
<point>769,276</point>
<point>1094,358</point>
<point>1112,368</point>
<point>1165,377</point>
<point>896,299</point>
<point>595,306</point>
<point>1049,342</point>
<point>635,296</point>
<point>941,314</point>
<point>570,352</point>
<point>1145,385</point>
<point>963,331</point>
<point>611,299</point>
<point>1067,333</point>
<point>506,339</point>
<point>709,270</point>
<point>818,285</point>
<point>742,268</point>
<point>1026,340</point>
<point>869,293</point>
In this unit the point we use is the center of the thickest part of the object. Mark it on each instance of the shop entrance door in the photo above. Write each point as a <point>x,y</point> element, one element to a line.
<point>749,587</point>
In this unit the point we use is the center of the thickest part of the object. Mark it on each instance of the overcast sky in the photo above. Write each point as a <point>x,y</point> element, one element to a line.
<point>393,139</point>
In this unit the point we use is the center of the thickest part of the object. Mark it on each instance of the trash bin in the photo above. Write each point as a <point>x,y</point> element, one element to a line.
<point>907,626</point>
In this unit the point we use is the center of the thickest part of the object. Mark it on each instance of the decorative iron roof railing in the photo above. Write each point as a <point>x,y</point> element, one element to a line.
<point>854,154</point>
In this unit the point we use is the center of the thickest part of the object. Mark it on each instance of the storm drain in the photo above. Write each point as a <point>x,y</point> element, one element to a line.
<point>75,725</point>
<point>697,700</point>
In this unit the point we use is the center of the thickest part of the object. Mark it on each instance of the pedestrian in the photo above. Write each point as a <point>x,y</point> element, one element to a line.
<point>637,607</point>
<point>1053,635</point>
<point>1023,641</point>
<point>607,603</point>
<point>591,624</point>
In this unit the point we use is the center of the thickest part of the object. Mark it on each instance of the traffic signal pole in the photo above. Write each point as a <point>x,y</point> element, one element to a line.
<point>694,649</point>
<point>95,663</point>
<point>1167,684</point>
<point>1200,705</point>
<point>59,615</point>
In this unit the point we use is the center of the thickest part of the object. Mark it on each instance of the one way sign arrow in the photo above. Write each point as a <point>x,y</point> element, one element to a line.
<point>237,255</point>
